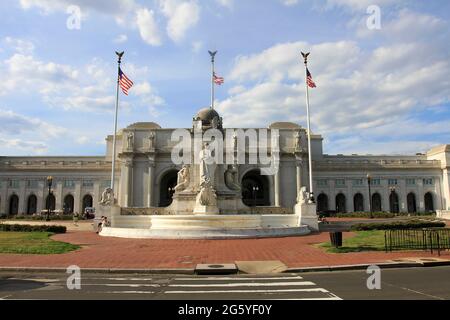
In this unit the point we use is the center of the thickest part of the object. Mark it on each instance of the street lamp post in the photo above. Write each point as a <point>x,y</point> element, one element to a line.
<point>49,184</point>
<point>369,179</point>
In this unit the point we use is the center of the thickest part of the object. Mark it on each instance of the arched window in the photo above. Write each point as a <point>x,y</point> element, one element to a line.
<point>340,203</point>
<point>429,203</point>
<point>411,200</point>
<point>87,202</point>
<point>394,203</point>
<point>166,187</point>
<point>32,204</point>
<point>322,202</point>
<point>50,202</point>
<point>255,189</point>
<point>13,205</point>
<point>358,202</point>
<point>376,202</point>
<point>68,204</point>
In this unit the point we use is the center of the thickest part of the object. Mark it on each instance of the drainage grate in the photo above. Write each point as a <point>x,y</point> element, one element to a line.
<point>225,268</point>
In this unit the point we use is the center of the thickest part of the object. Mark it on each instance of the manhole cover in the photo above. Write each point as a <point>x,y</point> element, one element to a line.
<point>216,266</point>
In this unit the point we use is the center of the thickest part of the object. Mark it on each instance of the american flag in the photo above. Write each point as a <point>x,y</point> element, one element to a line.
<point>124,82</point>
<point>309,79</point>
<point>218,80</point>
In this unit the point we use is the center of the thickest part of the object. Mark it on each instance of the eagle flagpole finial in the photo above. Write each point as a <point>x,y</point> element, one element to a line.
<point>305,57</point>
<point>212,54</point>
<point>120,55</point>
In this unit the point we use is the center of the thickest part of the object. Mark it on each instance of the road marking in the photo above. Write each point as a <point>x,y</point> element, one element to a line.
<point>130,292</point>
<point>247,284</point>
<point>131,285</point>
<point>123,279</point>
<point>249,291</point>
<point>237,279</point>
<point>330,298</point>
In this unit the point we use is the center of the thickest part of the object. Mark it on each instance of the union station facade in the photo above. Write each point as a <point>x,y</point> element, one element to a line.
<point>146,176</point>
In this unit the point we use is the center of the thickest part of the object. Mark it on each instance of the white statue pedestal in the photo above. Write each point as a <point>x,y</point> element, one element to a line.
<point>307,214</point>
<point>109,211</point>
<point>200,209</point>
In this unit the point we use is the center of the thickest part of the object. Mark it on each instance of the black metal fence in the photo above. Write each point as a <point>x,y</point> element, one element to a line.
<point>436,239</point>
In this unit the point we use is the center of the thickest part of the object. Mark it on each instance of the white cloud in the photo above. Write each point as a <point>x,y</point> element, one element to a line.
<point>197,46</point>
<point>121,38</point>
<point>19,45</point>
<point>181,15</point>
<point>369,93</point>
<point>111,7</point>
<point>226,3</point>
<point>289,3</point>
<point>147,26</point>
<point>18,145</point>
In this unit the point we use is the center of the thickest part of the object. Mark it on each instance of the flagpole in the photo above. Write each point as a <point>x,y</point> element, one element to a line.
<point>311,192</point>
<point>212,54</point>
<point>113,168</point>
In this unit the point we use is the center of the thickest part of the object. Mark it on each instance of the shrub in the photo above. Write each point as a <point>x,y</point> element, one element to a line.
<point>412,224</point>
<point>30,228</point>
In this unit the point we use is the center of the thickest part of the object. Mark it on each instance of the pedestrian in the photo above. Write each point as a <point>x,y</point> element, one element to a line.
<point>75,219</point>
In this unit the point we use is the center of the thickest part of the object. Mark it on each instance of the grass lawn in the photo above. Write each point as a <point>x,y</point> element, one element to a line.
<point>32,243</point>
<point>362,241</point>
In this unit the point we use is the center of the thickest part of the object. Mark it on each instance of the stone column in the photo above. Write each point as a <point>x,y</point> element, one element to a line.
<point>150,188</point>
<point>58,193</point>
<point>299,165</point>
<point>77,197</point>
<point>277,188</point>
<point>420,196</point>
<point>403,205</point>
<point>126,180</point>
<point>22,197</point>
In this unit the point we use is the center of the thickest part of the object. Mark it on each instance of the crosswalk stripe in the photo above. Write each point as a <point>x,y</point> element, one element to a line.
<point>248,291</point>
<point>131,285</point>
<point>237,279</point>
<point>246,284</point>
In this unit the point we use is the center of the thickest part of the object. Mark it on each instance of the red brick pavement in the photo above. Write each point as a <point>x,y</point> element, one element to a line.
<point>103,252</point>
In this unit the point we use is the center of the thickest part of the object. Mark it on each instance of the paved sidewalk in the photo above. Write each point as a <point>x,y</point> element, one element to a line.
<point>103,252</point>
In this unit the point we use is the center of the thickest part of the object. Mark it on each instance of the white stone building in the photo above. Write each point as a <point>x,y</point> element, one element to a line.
<point>146,176</point>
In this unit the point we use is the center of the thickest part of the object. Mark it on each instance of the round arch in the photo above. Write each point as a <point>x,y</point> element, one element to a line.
<point>394,206</point>
<point>167,183</point>
<point>87,202</point>
<point>376,202</point>
<point>13,205</point>
<point>255,189</point>
<point>322,202</point>
<point>68,204</point>
<point>340,203</point>
<point>358,202</point>
<point>429,202</point>
<point>32,204</point>
<point>411,201</point>
<point>50,202</point>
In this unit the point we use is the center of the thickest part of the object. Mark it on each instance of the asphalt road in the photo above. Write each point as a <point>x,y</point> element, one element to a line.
<point>414,283</point>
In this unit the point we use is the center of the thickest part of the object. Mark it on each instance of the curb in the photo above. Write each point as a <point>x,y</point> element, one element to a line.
<point>100,270</point>
<point>383,265</point>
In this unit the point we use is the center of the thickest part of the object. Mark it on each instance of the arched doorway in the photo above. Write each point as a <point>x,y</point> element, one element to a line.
<point>166,188</point>
<point>255,189</point>
<point>13,205</point>
<point>411,200</point>
<point>429,205</point>
<point>50,202</point>
<point>394,203</point>
<point>68,204</point>
<point>358,202</point>
<point>340,203</point>
<point>322,202</point>
<point>32,204</point>
<point>87,202</point>
<point>376,202</point>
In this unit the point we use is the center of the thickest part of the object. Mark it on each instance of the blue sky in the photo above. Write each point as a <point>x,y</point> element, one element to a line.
<point>383,90</point>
